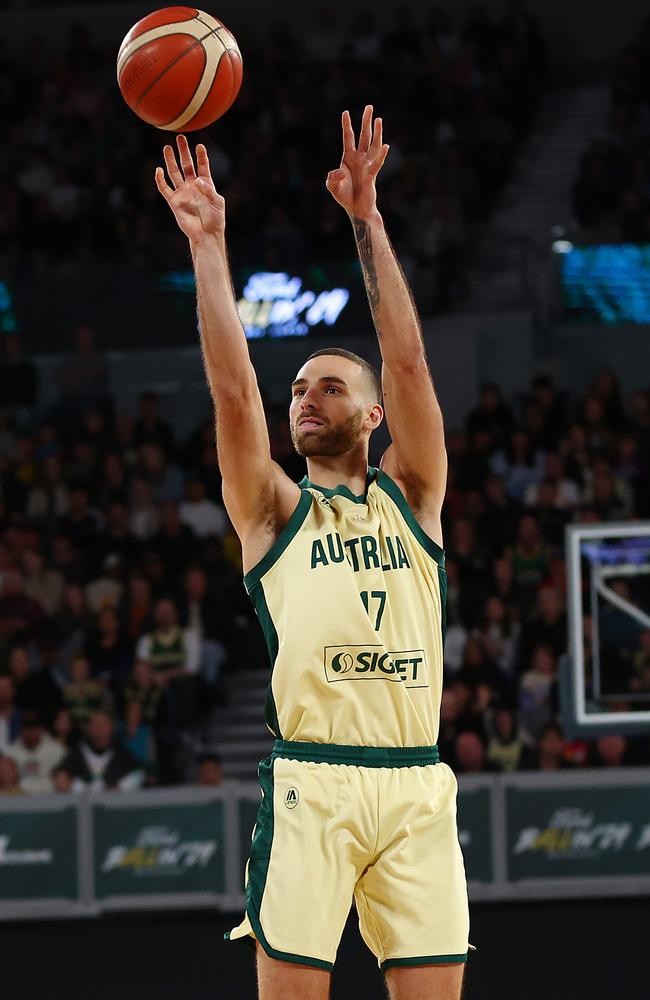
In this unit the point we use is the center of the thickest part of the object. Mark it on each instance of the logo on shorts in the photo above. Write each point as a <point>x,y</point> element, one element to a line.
<point>291,798</point>
<point>352,663</point>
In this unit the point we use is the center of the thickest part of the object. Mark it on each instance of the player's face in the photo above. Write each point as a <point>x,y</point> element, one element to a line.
<point>330,409</point>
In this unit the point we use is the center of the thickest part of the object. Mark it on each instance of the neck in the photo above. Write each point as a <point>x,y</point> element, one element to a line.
<point>348,470</point>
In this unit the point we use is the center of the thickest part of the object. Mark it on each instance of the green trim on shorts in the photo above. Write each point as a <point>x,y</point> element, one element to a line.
<point>258,867</point>
<point>332,753</point>
<point>392,963</point>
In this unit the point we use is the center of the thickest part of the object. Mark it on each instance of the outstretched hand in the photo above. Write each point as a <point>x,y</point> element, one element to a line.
<point>353,184</point>
<point>198,208</point>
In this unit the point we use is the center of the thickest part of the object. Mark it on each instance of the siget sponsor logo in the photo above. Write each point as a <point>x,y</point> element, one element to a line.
<point>405,666</point>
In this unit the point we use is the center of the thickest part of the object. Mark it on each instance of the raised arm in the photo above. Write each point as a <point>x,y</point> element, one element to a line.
<point>257,494</point>
<point>417,455</point>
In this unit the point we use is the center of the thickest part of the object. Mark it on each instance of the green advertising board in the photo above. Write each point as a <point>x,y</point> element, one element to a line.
<point>145,850</point>
<point>38,855</point>
<point>578,832</point>
<point>475,833</point>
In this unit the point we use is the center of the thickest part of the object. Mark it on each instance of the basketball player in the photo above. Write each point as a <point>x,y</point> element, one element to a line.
<point>346,572</point>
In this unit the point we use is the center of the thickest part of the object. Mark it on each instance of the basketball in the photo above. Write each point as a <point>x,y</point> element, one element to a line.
<point>179,69</point>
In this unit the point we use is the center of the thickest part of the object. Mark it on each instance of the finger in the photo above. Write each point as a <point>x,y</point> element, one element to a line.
<point>173,172</point>
<point>333,181</point>
<point>349,144</point>
<point>202,162</point>
<point>207,188</point>
<point>377,137</point>
<point>187,162</point>
<point>366,129</point>
<point>378,163</point>
<point>162,184</point>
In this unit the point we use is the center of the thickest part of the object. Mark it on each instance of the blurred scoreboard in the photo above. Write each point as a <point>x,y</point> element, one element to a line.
<point>608,283</point>
<point>274,304</point>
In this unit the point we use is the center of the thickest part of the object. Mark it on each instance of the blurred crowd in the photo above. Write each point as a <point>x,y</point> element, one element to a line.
<point>457,97</point>
<point>123,614</point>
<point>611,195</point>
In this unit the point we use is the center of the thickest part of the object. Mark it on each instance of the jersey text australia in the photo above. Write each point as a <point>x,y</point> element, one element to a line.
<point>351,598</point>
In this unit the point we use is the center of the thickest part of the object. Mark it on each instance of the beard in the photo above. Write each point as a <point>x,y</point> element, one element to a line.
<point>328,440</point>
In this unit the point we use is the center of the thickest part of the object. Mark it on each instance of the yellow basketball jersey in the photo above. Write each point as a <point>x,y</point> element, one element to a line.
<point>351,598</point>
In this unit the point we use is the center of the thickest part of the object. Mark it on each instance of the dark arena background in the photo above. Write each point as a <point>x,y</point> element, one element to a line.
<point>517,196</point>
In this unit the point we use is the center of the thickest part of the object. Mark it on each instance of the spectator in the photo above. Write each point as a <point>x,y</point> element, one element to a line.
<point>519,464</point>
<point>611,751</point>
<point>176,542</point>
<point>547,625</point>
<point>100,762</point>
<point>506,750</point>
<point>203,516</point>
<point>150,428</point>
<point>166,480</point>
<point>109,651</point>
<point>49,495</point>
<point>35,690</point>
<point>538,692</point>
<point>10,714</point>
<point>470,755</point>
<point>19,613</point>
<point>105,591</point>
<point>82,695</point>
<point>143,709</point>
<point>492,415</point>
<point>43,585</point>
<point>551,749</point>
<point>210,771</point>
<point>35,753</point>
<point>9,777</point>
<point>174,654</point>
<point>145,514</point>
<point>63,729</point>
<point>529,557</point>
<point>61,780</point>
<point>500,635</point>
<point>83,378</point>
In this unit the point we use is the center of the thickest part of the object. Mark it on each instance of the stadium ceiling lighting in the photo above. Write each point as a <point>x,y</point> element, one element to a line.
<point>562,246</point>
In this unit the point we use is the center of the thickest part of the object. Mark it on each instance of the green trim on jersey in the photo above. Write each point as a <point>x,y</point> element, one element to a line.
<point>391,963</point>
<point>442,580</point>
<point>288,533</point>
<point>394,492</point>
<point>258,867</point>
<point>332,753</point>
<point>340,491</point>
<point>258,597</point>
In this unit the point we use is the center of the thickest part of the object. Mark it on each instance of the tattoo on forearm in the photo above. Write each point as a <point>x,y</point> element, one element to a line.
<point>364,246</point>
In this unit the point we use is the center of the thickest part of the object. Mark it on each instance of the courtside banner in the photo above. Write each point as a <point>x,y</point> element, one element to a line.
<point>578,832</point>
<point>162,849</point>
<point>475,832</point>
<point>38,855</point>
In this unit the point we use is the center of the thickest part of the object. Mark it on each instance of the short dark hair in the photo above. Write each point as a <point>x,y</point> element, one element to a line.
<point>371,373</point>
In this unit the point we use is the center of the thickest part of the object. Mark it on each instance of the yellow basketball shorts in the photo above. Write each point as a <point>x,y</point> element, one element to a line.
<point>370,823</point>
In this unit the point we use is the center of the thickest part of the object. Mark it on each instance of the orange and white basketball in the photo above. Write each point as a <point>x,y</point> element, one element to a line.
<point>179,69</point>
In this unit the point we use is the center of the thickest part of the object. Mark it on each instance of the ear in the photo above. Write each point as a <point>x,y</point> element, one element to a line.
<point>375,416</point>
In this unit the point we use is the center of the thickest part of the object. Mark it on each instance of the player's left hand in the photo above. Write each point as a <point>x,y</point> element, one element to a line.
<point>353,184</point>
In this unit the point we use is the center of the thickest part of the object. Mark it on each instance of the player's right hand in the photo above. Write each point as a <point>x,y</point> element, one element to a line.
<point>198,208</point>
